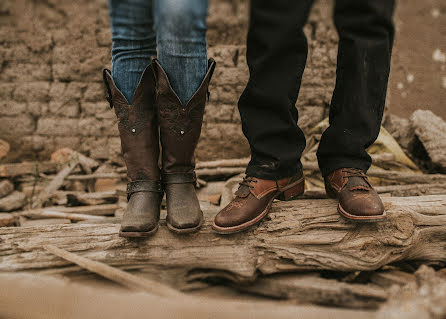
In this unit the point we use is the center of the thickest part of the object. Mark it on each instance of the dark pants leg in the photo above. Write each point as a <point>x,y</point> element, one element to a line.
<point>365,43</point>
<point>276,55</point>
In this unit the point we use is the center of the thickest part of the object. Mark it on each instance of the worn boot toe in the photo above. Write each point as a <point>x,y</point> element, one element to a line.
<point>142,215</point>
<point>183,208</point>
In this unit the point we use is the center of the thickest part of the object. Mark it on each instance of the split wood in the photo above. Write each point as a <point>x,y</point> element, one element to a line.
<point>121,277</point>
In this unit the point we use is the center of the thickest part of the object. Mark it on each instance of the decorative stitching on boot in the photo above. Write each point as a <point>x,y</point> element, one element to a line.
<point>142,117</point>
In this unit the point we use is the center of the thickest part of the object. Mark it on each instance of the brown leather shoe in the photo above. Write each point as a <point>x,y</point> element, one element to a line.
<point>358,201</point>
<point>140,147</point>
<point>253,202</point>
<point>180,128</point>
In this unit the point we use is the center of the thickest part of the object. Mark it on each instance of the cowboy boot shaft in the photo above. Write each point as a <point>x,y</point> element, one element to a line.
<point>180,126</point>
<point>140,147</point>
<point>137,127</point>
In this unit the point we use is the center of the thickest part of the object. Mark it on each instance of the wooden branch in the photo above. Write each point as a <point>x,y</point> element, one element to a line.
<point>121,277</point>
<point>57,212</point>
<point>310,288</point>
<point>84,198</point>
<point>95,210</point>
<point>63,155</point>
<point>27,168</point>
<point>56,183</point>
<point>95,176</point>
<point>298,235</point>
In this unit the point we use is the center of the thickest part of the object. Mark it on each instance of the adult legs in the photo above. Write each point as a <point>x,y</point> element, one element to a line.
<point>365,44</point>
<point>276,56</point>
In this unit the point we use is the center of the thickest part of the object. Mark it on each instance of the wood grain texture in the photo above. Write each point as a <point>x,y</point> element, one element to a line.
<point>297,235</point>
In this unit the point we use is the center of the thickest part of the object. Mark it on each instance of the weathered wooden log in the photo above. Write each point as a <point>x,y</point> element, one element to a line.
<point>298,235</point>
<point>123,278</point>
<point>41,297</point>
<point>424,297</point>
<point>310,288</point>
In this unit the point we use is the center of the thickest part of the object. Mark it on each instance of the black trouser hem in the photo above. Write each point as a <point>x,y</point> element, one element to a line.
<point>329,165</point>
<point>284,172</point>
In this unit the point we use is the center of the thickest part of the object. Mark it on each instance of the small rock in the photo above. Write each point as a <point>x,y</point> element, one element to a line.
<point>431,131</point>
<point>6,219</point>
<point>105,184</point>
<point>4,148</point>
<point>13,201</point>
<point>401,130</point>
<point>6,188</point>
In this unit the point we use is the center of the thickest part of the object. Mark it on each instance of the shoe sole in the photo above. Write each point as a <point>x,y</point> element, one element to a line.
<point>252,222</point>
<point>134,234</point>
<point>186,230</point>
<point>361,219</point>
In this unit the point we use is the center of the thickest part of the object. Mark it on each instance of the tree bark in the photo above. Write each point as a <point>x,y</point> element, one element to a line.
<point>297,235</point>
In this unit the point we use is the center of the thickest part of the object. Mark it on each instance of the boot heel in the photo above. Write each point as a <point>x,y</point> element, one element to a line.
<point>293,192</point>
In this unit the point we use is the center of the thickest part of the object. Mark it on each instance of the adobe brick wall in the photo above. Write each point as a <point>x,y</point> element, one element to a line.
<point>52,53</point>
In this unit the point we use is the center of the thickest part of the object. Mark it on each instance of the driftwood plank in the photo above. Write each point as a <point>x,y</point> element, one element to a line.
<point>27,168</point>
<point>57,213</point>
<point>309,288</point>
<point>124,278</point>
<point>298,235</point>
<point>93,302</point>
<point>56,183</point>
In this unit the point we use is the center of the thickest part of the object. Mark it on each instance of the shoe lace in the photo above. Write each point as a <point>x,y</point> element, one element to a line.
<point>247,181</point>
<point>355,172</point>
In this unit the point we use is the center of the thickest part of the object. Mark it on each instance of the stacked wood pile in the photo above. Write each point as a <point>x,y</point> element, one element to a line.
<point>61,217</point>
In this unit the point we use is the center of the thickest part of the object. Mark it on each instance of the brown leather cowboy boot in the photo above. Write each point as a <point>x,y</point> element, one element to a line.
<point>180,129</point>
<point>253,202</point>
<point>358,201</point>
<point>140,146</point>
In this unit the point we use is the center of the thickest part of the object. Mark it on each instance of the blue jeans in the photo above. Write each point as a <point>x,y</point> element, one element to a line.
<point>174,28</point>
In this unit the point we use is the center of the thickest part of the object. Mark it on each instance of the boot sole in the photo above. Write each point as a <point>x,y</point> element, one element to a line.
<point>186,230</point>
<point>255,221</point>
<point>361,219</point>
<point>134,234</point>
